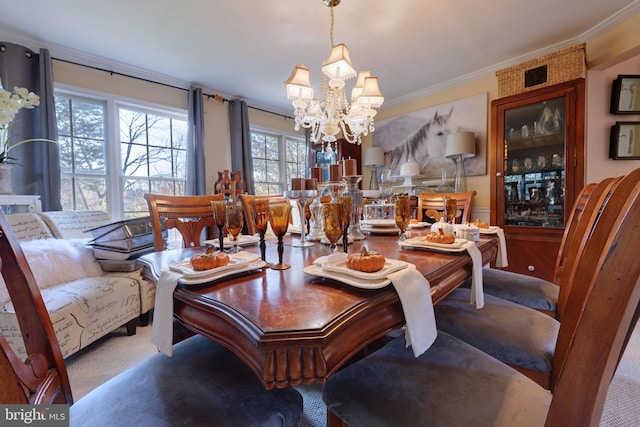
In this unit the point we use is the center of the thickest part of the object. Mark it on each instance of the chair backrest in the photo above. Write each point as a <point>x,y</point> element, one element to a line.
<point>595,344</point>
<point>246,200</point>
<point>589,203</point>
<point>230,184</point>
<point>42,378</point>
<point>592,240</point>
<point>431,206</point>
<point>188,214</point>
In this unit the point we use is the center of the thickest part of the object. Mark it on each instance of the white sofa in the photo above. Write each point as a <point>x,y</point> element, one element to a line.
<point>84,302</point>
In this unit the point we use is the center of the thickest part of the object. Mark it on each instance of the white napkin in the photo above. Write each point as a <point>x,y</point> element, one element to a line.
<point>477,292</point>
<point>501,259</point>
<point>415,295</point>
<point>162,328</point>
<point>162,332</point>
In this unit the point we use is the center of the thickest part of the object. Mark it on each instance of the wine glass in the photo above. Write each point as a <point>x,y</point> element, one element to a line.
<point>219,213</point>
<point>279,217</point>
<point>234,220</point>
<point>450,209</point>
<point>403,215</point>
<point>347,203</point>
<point>332,224</point>
<point>260,214</point>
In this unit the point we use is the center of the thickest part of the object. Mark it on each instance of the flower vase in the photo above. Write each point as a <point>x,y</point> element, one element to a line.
<point>6,183</point>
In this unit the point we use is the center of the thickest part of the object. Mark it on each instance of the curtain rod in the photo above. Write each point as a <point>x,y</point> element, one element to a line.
<point>208,95</point>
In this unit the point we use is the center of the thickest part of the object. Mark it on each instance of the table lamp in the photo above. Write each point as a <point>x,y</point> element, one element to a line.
<point>374,158</point>
<point>460,146</point>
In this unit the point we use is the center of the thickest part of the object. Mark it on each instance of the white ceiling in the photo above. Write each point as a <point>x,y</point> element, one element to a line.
<point>247,48</point>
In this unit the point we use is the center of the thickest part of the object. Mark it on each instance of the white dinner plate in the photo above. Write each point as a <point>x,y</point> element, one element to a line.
<point>236,261</point>
<point>379,222</point>
<point>316,270</point>
<point>379,230</point>
<point>421,243</point>
<point>217,275</point>
<point>419,225</point>
<point>340,267</point>
<point>493,229</point>
<point>243,240</point>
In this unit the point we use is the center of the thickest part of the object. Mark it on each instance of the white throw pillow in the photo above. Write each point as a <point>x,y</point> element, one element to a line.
<point>56,261</point>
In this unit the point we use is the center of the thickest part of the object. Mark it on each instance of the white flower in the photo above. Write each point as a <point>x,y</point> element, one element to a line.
<point>10,105</point>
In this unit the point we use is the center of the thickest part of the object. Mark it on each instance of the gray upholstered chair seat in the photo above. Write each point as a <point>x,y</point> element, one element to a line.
<point>201,384</point>
<point>525,290</point>
<point>509,332</point>
<point>451,384</point>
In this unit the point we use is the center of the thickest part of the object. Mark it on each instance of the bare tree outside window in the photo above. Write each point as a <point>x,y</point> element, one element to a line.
<point>276,159</point>
<point>151,156</point>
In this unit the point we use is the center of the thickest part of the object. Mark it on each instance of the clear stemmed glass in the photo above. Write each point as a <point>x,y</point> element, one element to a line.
<point>234,220</point>
<point>347,203</point>
<point>279,217</point>
<point>332,224</point>
<point>219,213</point>
<point>302,199</point>
<point>403,215</point>
<point>260,213</point>
<point>450,209</point>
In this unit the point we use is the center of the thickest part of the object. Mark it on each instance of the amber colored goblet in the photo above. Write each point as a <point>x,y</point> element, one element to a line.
<point>403,215</point>
<point>332,224</point>
<point>260,213</point>
<point>279,217</point>
<point>234,220</point>
<point>347,203</point>
<point>219,216</point>
<point>450,209</point>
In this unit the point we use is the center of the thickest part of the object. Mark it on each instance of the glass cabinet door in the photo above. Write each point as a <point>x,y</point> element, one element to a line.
<point>534,169</point>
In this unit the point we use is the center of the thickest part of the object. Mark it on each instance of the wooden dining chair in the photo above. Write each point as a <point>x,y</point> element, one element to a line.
<point>190,215</point>
<point>523,338</point>
<point>230,184</point>
<point>454,383</point>
<point>246,200</point>
<point>532,291</point>
<point>203,383</point>
<point>431,206</point>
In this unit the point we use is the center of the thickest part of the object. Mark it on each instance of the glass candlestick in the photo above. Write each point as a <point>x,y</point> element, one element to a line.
<point>316,233</point>
<point>335,189</point>
<point>355,193</point>
<point>302,197</point>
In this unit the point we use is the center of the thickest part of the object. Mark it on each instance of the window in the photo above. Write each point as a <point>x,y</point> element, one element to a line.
<point>112,152</point>
<point>276,159</point>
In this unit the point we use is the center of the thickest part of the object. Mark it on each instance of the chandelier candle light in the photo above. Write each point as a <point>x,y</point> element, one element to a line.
<point>327,117</point>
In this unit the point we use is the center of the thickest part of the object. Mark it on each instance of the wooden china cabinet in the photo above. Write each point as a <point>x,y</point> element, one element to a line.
<point>537,171</point>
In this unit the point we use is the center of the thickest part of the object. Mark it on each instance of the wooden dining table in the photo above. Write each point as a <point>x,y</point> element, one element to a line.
<point>292,328</point>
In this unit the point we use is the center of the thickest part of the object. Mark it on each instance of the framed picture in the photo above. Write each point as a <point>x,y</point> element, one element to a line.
<point>625,141</point>
<point>625,95</point>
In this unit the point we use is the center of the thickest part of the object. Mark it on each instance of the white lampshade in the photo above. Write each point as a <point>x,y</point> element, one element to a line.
<point>374,157</point>
<point>299,83</point>
<point>371,94</point>
<point>461,144</point>
<point>338,66</point>
<point>357,89</point>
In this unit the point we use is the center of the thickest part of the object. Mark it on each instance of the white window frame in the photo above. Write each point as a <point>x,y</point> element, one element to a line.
<point>282,161</point>
<point>114,179</point>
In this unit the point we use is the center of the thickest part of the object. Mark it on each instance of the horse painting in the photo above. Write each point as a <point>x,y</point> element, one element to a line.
<point>426,146</point>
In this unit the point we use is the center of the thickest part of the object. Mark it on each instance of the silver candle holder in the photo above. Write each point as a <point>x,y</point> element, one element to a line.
<point>354,191</point>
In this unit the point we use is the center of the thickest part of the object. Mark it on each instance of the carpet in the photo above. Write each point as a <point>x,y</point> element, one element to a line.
<point>116,352</point>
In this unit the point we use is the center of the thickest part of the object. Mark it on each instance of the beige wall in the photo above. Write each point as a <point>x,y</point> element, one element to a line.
<point>612,53</point>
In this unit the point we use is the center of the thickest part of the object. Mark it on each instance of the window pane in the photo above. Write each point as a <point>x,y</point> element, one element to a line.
<point>88,119</point>
<point>133,127</point>
<point>159,131</point>
<point>90,193</point>
<point>133,196</point>
<point>134,160</point>
<point>89,156</point>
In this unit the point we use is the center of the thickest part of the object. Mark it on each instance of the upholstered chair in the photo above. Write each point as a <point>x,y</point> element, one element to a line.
<point>203,383</point>
<point>524,338</point>
<point>456,384</point>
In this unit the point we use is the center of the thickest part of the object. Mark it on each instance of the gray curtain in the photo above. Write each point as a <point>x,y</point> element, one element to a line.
<point>39,172</point>
<point>196,174</point>
<point>241,158</point>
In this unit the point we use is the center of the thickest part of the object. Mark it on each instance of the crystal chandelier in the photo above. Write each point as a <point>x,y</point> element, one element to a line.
<point>331,113</point>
